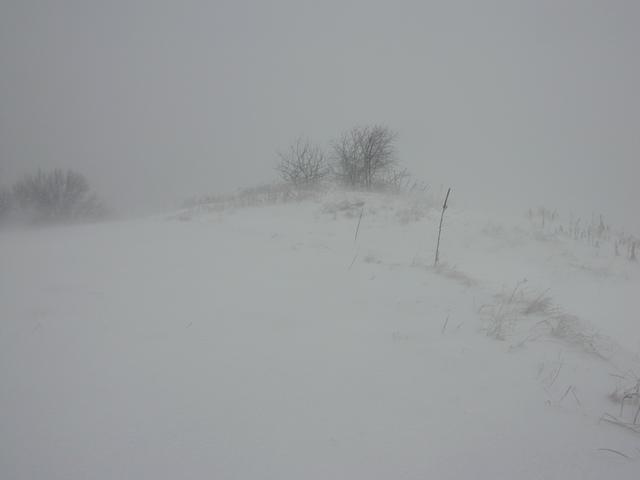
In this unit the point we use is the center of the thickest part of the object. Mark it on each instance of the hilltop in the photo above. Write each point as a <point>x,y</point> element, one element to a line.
<point>282,334</point>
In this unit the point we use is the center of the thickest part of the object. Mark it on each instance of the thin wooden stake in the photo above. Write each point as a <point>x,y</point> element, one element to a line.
<point>444,327</point>
<point>444,207</point>
<point>358,227</point>
<point>615,451</point>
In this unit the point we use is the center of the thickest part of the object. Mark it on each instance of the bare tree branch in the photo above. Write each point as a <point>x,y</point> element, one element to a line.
<point>303,163</point>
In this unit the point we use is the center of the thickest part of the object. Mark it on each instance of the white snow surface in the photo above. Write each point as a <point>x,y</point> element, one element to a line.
<point>267,342</point>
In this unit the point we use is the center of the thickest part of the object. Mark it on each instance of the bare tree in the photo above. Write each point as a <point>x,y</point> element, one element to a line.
<point>364,154</point>
<point>394,179</point>
<point>56,195</point>
<point>303,163</point>
<point>6,201</point>
<point>346,156</point>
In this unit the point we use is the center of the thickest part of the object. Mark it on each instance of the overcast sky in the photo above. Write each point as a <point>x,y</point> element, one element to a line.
<point>519,103</point>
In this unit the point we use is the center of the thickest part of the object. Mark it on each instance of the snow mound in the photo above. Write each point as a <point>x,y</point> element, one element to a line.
<point>308,335</point>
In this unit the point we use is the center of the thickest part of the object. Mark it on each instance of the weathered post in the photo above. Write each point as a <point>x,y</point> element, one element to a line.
<point>444,207</point>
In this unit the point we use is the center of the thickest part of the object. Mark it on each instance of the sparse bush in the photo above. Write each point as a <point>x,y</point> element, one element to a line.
<point>347,207</point>
<point>594,232</point>
<point>364,155</point>
<point>303,164</point>
<point>260,195</point>
<point>540,305</point>
<point>57,195</point>
<point>510,310</point>
<point>503,315</point>
<point>395,180</point>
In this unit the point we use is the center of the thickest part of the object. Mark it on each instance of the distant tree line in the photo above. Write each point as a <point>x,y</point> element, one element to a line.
<point>51,196</point>
<point>362,157</point>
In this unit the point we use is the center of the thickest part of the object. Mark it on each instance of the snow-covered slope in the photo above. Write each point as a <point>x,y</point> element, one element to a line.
<point>269,342</point>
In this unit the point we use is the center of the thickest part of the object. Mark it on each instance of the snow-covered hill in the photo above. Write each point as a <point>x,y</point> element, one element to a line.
<point>269,342</point>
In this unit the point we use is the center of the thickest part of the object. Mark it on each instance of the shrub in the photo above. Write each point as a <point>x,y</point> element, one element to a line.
<point>303,164</point>
<point>57,195</point>
<point>364,155</point>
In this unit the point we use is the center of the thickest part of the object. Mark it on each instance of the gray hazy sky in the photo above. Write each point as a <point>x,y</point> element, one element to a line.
<point>519,103</point>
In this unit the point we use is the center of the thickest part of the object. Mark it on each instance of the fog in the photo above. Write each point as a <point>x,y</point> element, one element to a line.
<point>513,104</point>
<point>286,332</point>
